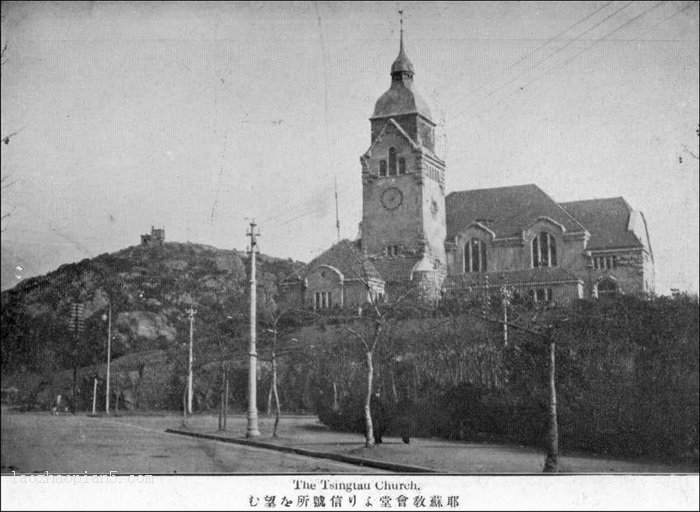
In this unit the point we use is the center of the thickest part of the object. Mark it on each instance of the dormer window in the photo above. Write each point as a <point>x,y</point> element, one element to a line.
<point>392,161</point>
<point>475,256</point>
<point>544,250</point>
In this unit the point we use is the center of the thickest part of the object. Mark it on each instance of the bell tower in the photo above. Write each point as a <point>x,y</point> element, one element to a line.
<point>403,180</point>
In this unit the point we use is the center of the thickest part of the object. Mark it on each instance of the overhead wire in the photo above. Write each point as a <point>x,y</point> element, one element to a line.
<point>557,66</point>
<point>307,213</point>
<point>533,66</point>
<point>689,4</point>
<point>532,52</point>
<point>298,205</point>
<point>554,68</point>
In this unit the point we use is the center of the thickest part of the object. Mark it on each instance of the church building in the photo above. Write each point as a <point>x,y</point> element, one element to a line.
<point>514,238</point>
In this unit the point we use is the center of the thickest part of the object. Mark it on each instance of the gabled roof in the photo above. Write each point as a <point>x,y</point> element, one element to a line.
<point>608,221</point>
<point>414,145</point>
<point>527,277</point>
<point>506,211</point>
<point>348,259</point>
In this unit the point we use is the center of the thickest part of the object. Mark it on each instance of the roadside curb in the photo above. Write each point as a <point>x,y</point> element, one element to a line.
<point>359,461</point>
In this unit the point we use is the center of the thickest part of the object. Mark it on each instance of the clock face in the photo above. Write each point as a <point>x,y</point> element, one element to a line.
<point>392,198</point>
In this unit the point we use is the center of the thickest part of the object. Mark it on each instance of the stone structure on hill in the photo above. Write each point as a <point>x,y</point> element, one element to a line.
<point>155,238</point>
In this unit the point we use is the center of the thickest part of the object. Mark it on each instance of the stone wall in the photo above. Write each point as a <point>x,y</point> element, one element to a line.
<point>417,224</point>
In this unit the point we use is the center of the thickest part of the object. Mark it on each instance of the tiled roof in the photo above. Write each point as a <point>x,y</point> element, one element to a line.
<point>347,258</point>
<point>607,220</point>
<point>399,100</point>
<point>526,277</point>
<point>506,211</point>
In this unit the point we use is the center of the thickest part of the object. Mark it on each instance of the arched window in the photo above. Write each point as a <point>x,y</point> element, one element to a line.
<point>607,287</point>
<point>544,250</point>
<point>382,167</point>
<point>402,166</point>
<point>475,256</point>
<point>392,161</point>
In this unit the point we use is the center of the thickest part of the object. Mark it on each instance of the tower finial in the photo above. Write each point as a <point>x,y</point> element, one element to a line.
<point>401,69</point>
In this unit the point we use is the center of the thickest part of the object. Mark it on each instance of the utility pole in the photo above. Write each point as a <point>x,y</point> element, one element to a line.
<point>252,430</point>
<point>109,353</point>
<point>190,380</point>
<point>76,325</point>
<point>552,459</point>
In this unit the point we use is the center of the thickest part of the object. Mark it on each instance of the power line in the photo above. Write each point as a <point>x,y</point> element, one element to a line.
<point>305,214</point>
<point>690,4</point>
<point>298,205</point>
<point>525,71</point>
<point>557,66</point>
<point>591,46</point>
<point>488,80</point>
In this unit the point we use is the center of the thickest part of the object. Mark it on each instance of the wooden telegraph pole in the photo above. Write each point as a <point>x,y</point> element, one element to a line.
<point>190,380</point>
<point>552,459</point>
<point>252,430</point>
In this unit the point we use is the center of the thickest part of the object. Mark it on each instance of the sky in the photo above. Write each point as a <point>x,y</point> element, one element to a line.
<point>196,117</point>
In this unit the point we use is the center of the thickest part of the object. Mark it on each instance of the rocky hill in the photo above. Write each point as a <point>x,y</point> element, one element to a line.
<point>150,290</point>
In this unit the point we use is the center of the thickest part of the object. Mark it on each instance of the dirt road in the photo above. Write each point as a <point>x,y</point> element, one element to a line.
<point>39,442</point>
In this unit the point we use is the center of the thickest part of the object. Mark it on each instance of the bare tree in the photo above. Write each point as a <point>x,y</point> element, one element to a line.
<point>542,323</point>
<point>6,180</point>
<point>369,342</point>
<point>371,329</point>
<point>276,320</point>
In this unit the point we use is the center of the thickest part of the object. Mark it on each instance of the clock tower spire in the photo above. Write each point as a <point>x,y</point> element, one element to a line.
<point>403,182</point>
